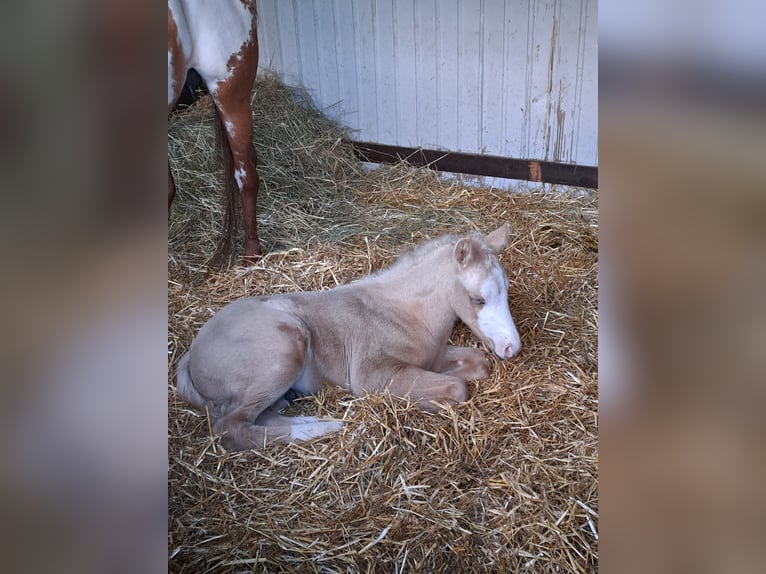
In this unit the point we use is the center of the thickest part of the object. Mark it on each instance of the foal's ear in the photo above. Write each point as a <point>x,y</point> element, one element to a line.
<point>499,237</point>
<point>464,251</point>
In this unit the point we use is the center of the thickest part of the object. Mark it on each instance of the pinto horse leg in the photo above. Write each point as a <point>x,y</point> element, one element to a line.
<point>239,132</point>
<point>232,98</point>
<point>171,188</point>
<point>426,389</point>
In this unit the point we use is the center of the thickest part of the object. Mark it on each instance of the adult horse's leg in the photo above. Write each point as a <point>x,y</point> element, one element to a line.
<point>177,66</point>
<point>232,98</point>
<point>171,188</point>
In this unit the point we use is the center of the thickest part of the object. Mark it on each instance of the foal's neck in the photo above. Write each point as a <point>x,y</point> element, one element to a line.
<point>422,284</point>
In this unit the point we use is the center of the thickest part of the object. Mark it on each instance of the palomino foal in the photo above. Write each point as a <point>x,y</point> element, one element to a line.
<point>219,40</point>
<point>389,330</point>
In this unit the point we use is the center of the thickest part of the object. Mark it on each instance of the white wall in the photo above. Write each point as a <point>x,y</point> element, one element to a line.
<point>516,78</point>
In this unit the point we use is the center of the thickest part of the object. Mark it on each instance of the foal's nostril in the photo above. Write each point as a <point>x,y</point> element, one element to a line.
<point>510,351</point>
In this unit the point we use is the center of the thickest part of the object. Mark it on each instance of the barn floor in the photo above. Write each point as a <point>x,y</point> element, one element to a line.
<point>505,482</point>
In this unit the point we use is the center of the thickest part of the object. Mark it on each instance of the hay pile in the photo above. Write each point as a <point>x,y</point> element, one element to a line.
<point>505,482</point>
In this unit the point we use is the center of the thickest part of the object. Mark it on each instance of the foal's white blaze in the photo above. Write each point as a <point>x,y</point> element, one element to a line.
<point>494,317</point>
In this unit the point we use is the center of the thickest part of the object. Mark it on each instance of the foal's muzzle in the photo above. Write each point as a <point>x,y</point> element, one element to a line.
<point>506,347</point>
<point>508,351</point>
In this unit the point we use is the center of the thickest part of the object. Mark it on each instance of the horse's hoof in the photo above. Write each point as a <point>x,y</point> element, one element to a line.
<point>252,253</point>
<point>248,260</point>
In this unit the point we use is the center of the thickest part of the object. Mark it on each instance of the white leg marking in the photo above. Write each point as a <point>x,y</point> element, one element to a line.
<point>312,430</point>
<point>239,175</point>
<point>171,81</point>
<point>229,128</point>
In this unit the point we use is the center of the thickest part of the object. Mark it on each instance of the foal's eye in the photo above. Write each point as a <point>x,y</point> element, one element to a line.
<point>478,301</point>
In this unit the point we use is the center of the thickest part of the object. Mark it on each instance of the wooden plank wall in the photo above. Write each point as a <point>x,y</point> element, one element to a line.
<point>511,78</point>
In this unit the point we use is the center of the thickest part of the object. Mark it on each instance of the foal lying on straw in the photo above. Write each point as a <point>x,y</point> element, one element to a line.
<point>386,331</point>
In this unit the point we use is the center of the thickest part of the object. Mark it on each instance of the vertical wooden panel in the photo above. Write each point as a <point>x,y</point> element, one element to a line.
<point>574,131</point>
<point>469,75</point>
<point>492,76</point>
<point>565,83</point>
<point>447,75</point>
<point>385,67</point>
<point>307,48</point>
<point>288,42</point>
<point>514,125</point>
<point>269,40</point>
<point>327,54</point>
<point>425,72</point>
<point>544,30</point>
<point>405,72</point>
<point>587,121</point>
<point>346,57</point>
<point>364,42</point>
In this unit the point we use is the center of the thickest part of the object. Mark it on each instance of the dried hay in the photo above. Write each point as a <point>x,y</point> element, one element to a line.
<point>503,483</point>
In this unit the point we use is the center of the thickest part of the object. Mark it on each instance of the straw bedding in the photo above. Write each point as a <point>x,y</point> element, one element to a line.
<point>505,482</point>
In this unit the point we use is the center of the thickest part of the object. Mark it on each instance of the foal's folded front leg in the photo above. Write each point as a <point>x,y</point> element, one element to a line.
<point>426,389</point>
<point>465,363</point>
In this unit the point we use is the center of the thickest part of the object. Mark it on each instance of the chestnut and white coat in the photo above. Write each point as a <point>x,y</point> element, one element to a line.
<point>219,39</point>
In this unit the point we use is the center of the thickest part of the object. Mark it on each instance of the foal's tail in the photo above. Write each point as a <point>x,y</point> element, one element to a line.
<point>231,194</point>
<point>185,386</point>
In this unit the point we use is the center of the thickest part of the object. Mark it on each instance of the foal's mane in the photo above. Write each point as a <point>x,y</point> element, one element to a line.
<point>423,251</point>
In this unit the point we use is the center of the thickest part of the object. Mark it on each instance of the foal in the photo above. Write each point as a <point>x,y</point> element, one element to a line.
<point>389,330</point>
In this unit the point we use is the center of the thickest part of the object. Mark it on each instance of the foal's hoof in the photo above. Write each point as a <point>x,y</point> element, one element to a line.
<point>248,260</point>
<point>483,369</point>
<point>231,444</point>
<point>458,392</point>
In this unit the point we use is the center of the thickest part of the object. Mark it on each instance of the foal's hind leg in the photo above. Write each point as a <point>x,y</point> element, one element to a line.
<point>296,428</point>
<point>242,432</point>
<point>284,351</point>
